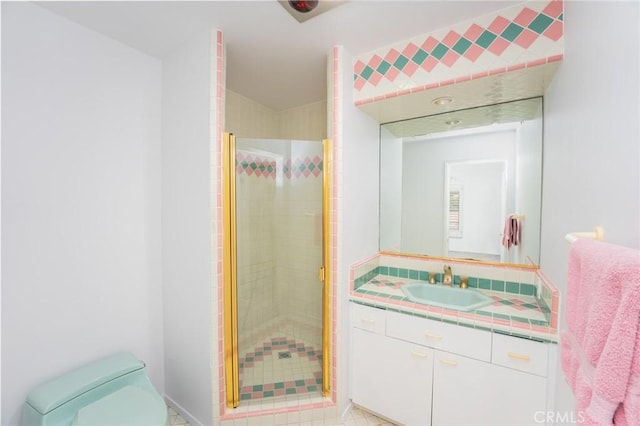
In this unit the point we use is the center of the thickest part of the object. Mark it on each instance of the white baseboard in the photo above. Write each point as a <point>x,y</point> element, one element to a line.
<point>184,413</point>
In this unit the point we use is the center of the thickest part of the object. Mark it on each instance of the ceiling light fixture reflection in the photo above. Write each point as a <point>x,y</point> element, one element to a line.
<point>443,100</point>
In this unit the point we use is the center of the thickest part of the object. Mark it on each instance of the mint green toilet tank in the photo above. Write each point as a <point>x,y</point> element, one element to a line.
<point>114,391</point>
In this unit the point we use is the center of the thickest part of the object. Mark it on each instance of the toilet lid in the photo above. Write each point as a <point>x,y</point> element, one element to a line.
<point>129,406</point>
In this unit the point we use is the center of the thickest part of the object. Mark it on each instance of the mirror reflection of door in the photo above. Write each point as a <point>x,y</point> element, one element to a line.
<point>475,201</point>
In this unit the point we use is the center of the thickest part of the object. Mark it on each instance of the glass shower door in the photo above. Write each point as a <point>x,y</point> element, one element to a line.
<point>279,250</point>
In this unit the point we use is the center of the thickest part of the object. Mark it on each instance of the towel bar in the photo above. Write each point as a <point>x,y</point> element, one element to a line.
<point>596,234</point>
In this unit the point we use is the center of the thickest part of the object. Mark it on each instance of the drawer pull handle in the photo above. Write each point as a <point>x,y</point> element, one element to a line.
<point>448,362</point>
<point>419,354</point>
<point>432,336</point>
<point>518,356</point>
<point>368,320</point>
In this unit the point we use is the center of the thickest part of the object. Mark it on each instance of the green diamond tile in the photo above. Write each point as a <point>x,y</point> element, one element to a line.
<point>383,67</point>
<point>540,24</point>
<point>400,62</point>
<point>290,391</point>
<point>512,31</point>
<point>484,41</point>
<point>420,56</point>
<point>561,17</point>
<point>461,46</point>
<point>366,72</point>
<point>257,388</point>
<point>439,51</point>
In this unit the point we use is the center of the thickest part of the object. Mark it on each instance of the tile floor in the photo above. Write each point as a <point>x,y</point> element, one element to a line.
<point>355,417</point>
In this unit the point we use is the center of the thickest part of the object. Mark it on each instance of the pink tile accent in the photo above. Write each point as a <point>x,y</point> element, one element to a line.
<point>498,25</point>
<point>359,83</point>
<point>410,50</point>
<point>473,52</point>
<point>526,38</point>
<point>555,58</point>
<point>429,64</point>
<point>516,67</point>
<point>358,67</point>
<point>553,9</point>
<point>451,38</point>
<point>429,44</point>
<point>473,32</point>
<point>463,78</point>
<point>392,74</point>
<point>447,82</point>
<point>392,56</point>
<point>525,17</point>
<point>498,46</point>
<point>374,61</point>
<point>495,71</point>
<point>376,77</point>
<point>450,58</point>
<point>537,62</point>
<point>410,68</point>
<point>555,31</point>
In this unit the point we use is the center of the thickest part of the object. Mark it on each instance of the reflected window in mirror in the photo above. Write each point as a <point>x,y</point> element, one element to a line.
<point>493,152</point>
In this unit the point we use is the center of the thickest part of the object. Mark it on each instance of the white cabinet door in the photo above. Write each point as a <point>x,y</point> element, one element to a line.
<point>392,377</point>
<point>475,393</point>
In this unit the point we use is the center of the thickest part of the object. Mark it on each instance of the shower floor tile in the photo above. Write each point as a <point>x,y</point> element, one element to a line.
<point>280,367</point>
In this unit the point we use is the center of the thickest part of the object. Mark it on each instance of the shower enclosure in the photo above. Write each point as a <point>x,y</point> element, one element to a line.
<point>275,300</point>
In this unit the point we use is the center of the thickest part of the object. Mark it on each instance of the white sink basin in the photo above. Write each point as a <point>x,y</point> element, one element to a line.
<point>459,299</point>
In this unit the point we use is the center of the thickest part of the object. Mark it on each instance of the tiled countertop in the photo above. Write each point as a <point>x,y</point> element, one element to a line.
<point>513,314</point>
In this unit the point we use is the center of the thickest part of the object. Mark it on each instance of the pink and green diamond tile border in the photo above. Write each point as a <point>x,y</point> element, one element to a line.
<point>260,166</point>
<point>514,38</point>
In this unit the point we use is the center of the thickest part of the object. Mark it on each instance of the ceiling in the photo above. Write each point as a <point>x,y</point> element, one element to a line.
<point>271,57</point>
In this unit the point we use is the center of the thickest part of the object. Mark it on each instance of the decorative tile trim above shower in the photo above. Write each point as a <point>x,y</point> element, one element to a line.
<point>263,166</point>
<point>517,37</point>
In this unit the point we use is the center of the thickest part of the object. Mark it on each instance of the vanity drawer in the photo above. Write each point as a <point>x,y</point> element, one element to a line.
<point>368,318</point>
<point>435,334</point>
<point>520,354</point>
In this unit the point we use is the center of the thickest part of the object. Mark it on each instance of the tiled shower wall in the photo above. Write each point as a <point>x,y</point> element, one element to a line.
<point>256,210</point>
<point>250,119</point>
<point>299,238</point>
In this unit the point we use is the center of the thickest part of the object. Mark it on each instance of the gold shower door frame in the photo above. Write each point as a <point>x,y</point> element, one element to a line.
<point>229,294</point>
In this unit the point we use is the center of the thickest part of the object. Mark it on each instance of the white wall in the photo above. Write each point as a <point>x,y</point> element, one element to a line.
<point>186,229</point>
<point>80,202</point>
<point>591,149</point>
<point>359,207</point>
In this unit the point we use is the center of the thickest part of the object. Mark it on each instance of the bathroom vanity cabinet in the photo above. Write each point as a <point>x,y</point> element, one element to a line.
<point>417,371</point>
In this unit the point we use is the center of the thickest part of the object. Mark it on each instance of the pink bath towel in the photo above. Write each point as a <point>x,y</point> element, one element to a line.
<point>511,234</point>
<point>600,349</point>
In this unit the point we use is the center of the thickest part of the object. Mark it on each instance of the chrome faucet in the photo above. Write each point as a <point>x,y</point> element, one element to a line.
<point>448,277</point>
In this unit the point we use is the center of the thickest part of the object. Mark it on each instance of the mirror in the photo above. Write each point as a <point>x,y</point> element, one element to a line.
<point>464,184</point>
